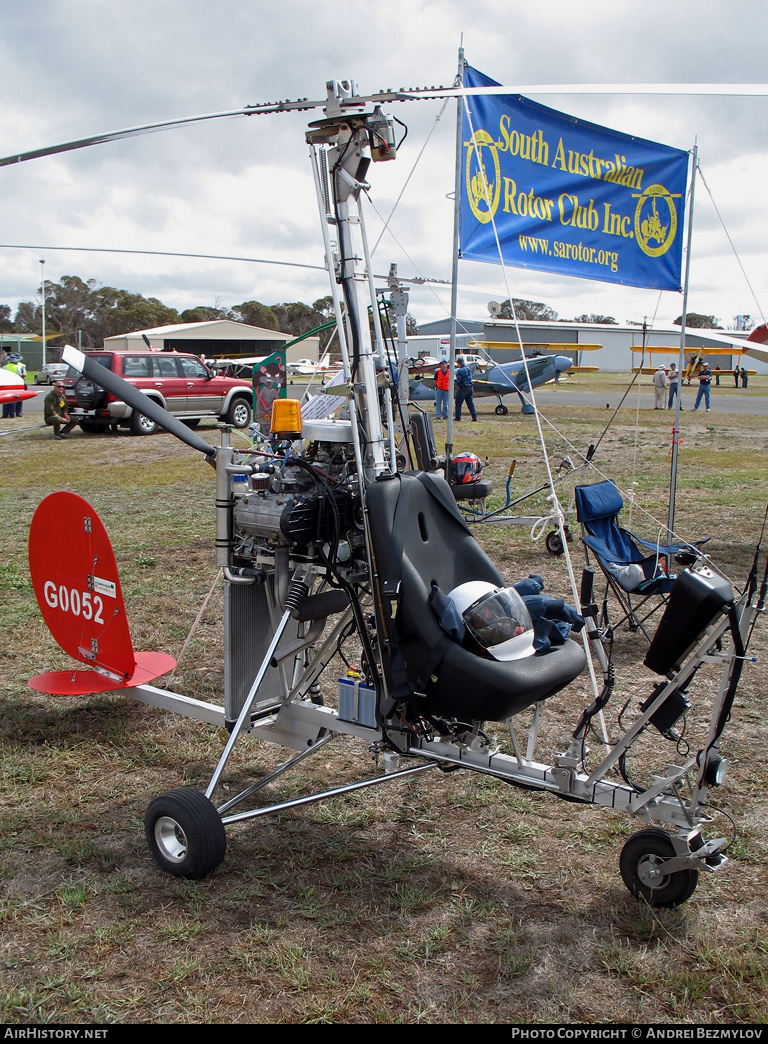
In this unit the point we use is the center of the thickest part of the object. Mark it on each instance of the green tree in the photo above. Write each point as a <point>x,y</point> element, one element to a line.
<point>708,322</point>
<point>297,318</point>
<point>254,313</point>
<point>28,318</point>
<point>6,323</point>
<point>324,306</point>
<point>120,311</point>
<point>205,314</point>
<point>68,306</point>
<point>592,318</point>
<point>527,310</point>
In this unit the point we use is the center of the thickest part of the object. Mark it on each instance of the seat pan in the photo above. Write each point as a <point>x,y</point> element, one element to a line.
<point>480,689</point>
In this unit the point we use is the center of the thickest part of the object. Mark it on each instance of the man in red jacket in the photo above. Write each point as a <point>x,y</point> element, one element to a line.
<point>442,377</point>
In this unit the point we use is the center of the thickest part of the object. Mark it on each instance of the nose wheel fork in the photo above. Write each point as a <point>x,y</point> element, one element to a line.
<point>642,866</point>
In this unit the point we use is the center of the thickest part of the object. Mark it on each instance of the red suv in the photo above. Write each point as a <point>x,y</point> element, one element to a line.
<point>182,384</point>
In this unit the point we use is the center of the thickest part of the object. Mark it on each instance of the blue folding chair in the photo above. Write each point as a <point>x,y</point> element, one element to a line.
<point>638,579</point>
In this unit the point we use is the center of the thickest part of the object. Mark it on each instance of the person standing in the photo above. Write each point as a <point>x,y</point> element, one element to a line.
<point>463,382</point>
<point>673,380</point>
<point>16,365</point>
<point>55,411</point>
<point>736,373</point>
<point>705,380</point>
<point>660,387</point>
<point>9,408</point>
<point>442,381</point>
<point>744,377</point>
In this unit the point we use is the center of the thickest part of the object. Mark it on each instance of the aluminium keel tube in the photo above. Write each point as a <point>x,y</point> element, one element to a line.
<point>387,777</point>
<point>275,773</point>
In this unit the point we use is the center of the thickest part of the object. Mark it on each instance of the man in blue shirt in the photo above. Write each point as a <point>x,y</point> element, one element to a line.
<point>463,382</point>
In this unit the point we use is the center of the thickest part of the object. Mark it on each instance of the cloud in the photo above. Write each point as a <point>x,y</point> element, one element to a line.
<point>244,186</point>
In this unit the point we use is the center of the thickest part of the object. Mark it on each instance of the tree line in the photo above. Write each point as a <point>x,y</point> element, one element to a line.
<point>83,311</point>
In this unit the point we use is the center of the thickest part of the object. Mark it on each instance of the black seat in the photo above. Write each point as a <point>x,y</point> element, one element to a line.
<point>419,538</point>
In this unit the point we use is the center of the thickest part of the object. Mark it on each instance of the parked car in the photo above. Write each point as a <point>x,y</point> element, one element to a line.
<point>51,372</point>
<point>476,362</point>
<point>182,384</point>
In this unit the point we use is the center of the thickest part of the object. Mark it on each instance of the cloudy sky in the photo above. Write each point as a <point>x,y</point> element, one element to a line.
<point>243,187</point>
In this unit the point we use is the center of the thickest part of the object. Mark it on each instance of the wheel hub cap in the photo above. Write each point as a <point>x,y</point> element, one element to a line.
<point>171,839</point>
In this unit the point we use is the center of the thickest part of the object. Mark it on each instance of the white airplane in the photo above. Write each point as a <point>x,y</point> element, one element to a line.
<point>308,367</point>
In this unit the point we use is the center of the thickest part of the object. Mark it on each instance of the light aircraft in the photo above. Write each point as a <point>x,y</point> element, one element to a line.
<point>502,379</point>
<point>308,367</point>
<point>302,368</point>
<point>330,540</point>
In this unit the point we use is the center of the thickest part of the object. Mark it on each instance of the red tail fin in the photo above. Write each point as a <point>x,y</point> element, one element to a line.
<point>75,578</point>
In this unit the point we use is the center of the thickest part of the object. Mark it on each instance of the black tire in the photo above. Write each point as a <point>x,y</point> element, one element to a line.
<point>239,413</point>
<point>141,424</point>
<point>554,542</point>
<point>88,394</point>
<point>642,870</point>
<point>501,410</point>
<point>185,833</point>
<point>91,427</point>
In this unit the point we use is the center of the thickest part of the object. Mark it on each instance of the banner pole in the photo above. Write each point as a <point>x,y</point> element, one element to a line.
<point>681,359</point>
<point>455,266</point>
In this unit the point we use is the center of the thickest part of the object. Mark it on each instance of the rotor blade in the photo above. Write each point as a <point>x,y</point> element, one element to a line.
<point>136,400</point>
<point>149,128</point>
<point>410,94</point>
<point>735,89</point>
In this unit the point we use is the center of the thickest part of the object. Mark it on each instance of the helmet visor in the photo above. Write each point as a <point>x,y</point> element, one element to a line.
<point>497,617</point>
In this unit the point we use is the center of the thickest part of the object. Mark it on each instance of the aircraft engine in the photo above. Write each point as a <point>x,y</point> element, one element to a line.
<point>303,502</point>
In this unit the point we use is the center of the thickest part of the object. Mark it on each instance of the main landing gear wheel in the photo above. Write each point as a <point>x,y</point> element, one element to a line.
<point>185,833</point>
<point>501,410</point>
<point>642,870</point>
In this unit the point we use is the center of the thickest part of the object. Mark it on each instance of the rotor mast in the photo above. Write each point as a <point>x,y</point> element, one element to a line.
<point>352,139</point>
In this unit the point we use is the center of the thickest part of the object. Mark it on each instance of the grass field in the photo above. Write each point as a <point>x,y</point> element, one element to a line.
<point>447,899</point>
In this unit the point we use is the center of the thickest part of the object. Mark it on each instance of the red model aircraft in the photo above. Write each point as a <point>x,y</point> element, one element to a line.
<point>13,388</point>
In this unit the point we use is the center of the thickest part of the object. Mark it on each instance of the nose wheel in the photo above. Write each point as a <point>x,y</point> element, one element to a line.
<point>642,869</point>
<point>185,833</point>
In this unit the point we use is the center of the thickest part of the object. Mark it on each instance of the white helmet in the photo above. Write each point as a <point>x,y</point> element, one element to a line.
<point>496,617</point>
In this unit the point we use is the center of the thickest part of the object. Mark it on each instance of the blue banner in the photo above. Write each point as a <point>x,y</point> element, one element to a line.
<point>568,197</point>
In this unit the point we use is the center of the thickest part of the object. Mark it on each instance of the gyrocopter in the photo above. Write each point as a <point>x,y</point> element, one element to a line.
<point>329,542</point>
